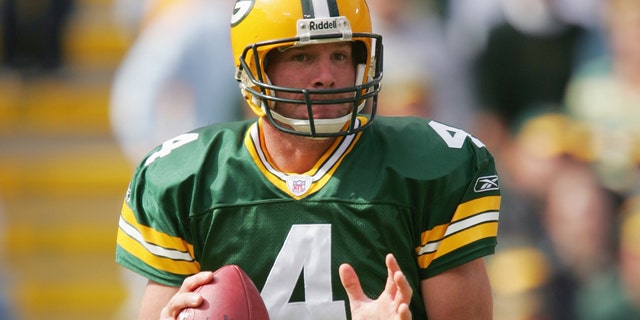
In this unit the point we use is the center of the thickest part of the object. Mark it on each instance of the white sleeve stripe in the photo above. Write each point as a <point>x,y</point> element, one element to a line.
<point>470,222</point>
<point>152,248</point>
<point>490,216</point>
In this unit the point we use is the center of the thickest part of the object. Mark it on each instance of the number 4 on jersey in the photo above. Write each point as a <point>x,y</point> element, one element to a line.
<point>453,137</point>
<point>308,248</point>
<point>171,145</point>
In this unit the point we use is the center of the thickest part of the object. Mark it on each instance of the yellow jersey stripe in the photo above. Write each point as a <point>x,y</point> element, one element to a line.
<point>475,206</point>
<point>138,250</point>
<point>459,240</point>
<point>154,237</point>
<point>473,220</point>
<point>464,211</point>
<point>157,243</point>
<point>459,227</point>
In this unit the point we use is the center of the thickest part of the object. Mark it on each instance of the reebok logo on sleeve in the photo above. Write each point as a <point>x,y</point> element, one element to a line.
<point>487,183</point>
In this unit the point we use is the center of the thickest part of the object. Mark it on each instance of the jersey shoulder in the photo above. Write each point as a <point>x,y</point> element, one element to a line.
<point>191,147</point>
<point>192,154</point>
<point>427,141</point>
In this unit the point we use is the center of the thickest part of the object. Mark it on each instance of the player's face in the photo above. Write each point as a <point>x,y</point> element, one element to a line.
<point>319,66</point>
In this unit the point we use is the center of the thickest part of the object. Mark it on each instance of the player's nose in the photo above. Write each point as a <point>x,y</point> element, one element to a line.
<point>324,74</point>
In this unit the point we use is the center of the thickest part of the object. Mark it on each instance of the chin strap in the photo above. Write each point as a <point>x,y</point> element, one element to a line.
<point>321,125</point>
<point>334,125</point>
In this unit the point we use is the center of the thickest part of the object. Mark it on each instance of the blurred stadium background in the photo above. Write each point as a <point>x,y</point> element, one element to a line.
<point>63,177</point>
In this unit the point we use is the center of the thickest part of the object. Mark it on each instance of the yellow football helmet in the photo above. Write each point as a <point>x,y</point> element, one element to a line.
<point>259,26</point>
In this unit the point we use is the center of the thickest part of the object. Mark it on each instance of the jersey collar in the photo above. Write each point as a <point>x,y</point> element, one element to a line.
<point>296,185</point>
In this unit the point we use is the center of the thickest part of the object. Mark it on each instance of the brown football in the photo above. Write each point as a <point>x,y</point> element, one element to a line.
<point>231,295</point>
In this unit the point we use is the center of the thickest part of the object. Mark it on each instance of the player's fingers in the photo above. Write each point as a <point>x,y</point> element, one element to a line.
<point>192,282</point>
<point>185,297</point>
<point>404,290</point>
<point>392,263</point>
<point>178,302</point>
<point>351,283</point>
<point>404,312</point>
<point>392,269</point>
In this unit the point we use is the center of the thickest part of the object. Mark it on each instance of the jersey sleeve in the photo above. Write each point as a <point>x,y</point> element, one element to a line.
<point>464,224</point>
<point>153,230</point>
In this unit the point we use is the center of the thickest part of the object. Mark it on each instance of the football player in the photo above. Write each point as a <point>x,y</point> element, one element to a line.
<point>333,212</point>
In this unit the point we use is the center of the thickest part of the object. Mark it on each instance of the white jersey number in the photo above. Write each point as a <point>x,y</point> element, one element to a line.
<point>171,145</point>
<point>453,137</point>
<point>308,248</point>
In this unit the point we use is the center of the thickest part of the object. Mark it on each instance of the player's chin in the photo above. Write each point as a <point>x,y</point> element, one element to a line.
<point>329,114</point>
<point>328,111</point>
<point>318,111</point>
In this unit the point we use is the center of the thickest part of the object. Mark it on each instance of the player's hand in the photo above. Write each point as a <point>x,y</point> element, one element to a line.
<point>185,297</point>
<point>394,301</point>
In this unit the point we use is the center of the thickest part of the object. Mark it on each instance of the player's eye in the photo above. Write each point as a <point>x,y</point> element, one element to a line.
<point>300,57</point>
<point>339,56</point>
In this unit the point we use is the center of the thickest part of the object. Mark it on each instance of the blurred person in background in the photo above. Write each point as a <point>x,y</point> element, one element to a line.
<point>530,157</point>
<point>177,76</point>
<point>33,34</point>
<point>521,73</point>
<point>526,63</point>
<point>130,15</point>
<point>558,207</point>
<point>423,76</point>
<point>407,67</point>
<point>520,275</point>
<point>579,237</point>
<point>557,204</point>
<point>616,295</point>
<point>603,100</point>
<point>5,311</point>
<point>174,77</point>
<point>465,25</point>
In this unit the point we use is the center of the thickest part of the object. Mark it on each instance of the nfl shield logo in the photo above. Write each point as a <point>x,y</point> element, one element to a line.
<point>299,184</point>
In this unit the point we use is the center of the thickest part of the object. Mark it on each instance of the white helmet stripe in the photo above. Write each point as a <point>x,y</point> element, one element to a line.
<point>319,9</point>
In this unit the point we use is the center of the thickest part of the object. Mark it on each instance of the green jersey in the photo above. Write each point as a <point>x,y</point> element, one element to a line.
<point>424,191</point>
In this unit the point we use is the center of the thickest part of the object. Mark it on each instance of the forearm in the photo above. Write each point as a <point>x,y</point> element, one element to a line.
<point>156,297</point>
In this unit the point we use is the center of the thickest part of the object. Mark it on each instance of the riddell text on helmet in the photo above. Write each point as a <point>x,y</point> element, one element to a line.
<point>324,25</point>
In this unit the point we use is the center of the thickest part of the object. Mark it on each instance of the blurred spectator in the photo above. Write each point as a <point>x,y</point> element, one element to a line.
<point>519,275</point>
<point>467,24</point>
<point>527,61</point>
<point>6,313</point>
<point>422,77</point>
<point>579,235</point>
<point>616,295</point>
<point>129,15</point>
<point>174,78</point>
<point>528,160</point>
<point>405,29</point>
<point>604,99</point>
<point>577,218</point>
<point>33,34</point>
<point>554,202</point>
<point>557,233</point>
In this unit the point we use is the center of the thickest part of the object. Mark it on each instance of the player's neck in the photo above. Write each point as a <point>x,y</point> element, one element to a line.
<point>293,154</point>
